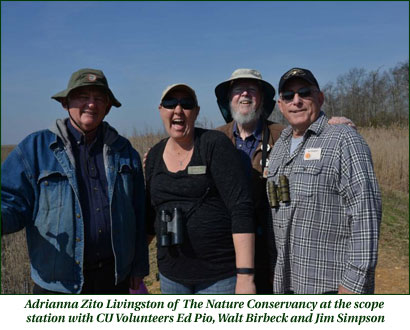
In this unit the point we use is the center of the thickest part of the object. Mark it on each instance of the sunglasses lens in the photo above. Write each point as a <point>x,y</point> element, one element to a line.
<point>169,103</point>
<point>188,104</point>
<point>288,96</point>
<point>304,92</point>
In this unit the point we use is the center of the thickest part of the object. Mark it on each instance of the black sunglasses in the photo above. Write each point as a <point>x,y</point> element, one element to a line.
<point>186,103</point>
<point>302,92</point>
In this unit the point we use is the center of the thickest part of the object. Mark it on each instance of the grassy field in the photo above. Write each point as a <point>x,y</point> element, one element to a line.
<point>390,151</point>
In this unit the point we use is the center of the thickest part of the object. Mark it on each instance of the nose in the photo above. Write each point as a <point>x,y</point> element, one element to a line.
<point>178,108</point>
<point>245,91</point>
<point>296,98</point>
<point>91,102</point>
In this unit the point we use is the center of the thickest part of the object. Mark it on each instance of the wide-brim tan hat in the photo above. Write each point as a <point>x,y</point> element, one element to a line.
<point>87,77</point>
<point>179,87</point>
<point>222,92</point>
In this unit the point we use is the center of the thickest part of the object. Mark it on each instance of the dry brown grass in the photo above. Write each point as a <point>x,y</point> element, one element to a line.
<point>390,151</point>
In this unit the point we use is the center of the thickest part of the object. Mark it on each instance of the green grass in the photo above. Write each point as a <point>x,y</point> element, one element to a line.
<point>395,222</point>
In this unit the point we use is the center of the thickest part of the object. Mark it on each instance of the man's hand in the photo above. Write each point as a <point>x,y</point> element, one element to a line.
<point>342,121</point>
<point>245,284</point>
<point>343,290</point>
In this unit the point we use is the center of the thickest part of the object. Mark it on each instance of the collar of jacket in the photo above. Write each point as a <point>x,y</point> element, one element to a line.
<point>110,135</point>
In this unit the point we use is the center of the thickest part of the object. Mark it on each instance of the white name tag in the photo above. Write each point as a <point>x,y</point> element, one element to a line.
<point>312,154</point>
<point>196,170</point>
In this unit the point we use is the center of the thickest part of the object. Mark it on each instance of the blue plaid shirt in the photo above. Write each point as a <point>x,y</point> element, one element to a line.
<point>328,234</point>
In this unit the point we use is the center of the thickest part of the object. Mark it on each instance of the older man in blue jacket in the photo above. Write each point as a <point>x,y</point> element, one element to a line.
<point>78,190</point>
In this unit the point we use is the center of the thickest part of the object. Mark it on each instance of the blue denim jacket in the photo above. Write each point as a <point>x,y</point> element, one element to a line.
<point>39,191</point>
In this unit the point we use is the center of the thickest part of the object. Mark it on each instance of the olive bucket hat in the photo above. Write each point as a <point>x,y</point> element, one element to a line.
<point>222,92</point>
<point>87,77</point>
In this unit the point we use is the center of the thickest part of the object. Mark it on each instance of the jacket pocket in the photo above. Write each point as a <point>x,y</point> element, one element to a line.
<point>53,186</point>
<point>125,181</point>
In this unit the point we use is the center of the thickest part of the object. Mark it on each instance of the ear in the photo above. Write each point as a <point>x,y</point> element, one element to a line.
<point>197,112</point>
<point>108,108</point>
<point>321,98</point>
<point>64,104</point>
<point>279,103</point>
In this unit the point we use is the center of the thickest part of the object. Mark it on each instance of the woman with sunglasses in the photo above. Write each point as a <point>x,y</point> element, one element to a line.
<point>198,204</point>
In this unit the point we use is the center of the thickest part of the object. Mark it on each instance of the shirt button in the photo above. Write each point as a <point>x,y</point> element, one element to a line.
<point>77,262</point>
<point>95,188</point>
<point>78,239</point>
<point>97,209</point>
<point>75,286</point>
<point>78,215</point>
<point>46,183</point>
<point>99,231</point>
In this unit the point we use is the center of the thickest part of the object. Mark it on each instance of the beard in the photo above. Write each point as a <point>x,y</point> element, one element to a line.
<point>244,119</point>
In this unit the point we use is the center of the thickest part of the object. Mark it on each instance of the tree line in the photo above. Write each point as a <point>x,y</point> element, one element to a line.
<point>374,98</point>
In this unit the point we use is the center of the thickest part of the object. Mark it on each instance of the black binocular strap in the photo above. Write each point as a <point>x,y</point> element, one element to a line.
<point>197,204</point>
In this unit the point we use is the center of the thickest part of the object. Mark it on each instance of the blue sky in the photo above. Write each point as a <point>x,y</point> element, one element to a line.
<point>144,46</point>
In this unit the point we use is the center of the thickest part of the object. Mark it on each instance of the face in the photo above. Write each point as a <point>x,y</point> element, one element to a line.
<point>179,122</point>
<point>245,101</point>
<point>87,106</point>
<point>300,112</point>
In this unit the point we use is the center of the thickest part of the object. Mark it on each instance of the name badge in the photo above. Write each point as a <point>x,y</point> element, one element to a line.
<point>196,170</point>
<point>312,154</point>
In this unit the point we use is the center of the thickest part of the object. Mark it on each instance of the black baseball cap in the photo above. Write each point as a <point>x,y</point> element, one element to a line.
<point>298,73</point>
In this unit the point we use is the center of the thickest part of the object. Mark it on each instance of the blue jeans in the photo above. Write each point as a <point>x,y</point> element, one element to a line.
<point>225,286</point>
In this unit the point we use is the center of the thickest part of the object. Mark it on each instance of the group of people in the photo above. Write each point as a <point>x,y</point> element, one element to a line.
<point>252,207</point>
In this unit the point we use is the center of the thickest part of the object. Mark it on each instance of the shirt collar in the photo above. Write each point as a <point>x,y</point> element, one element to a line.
<point>79,137</point>
<point>257,133</point>
<point>316,127</point>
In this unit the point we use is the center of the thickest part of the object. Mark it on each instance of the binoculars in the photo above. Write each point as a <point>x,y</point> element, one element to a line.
<point>171,227</point>
<point>278,193</point>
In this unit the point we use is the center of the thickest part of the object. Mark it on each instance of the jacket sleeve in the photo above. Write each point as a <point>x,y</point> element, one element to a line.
<point>361,194</point>
<point>150,211</point>
<point>231,182</point>
<point>17,193</point>
<point>141,263</point>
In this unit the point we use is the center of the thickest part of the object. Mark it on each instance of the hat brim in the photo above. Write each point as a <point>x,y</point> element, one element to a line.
<point>222,97</point>
<point>61,96</point>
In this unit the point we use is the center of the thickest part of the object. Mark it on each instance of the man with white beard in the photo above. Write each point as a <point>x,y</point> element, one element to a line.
<point>246,101</point>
